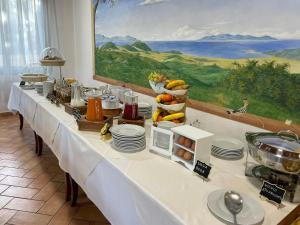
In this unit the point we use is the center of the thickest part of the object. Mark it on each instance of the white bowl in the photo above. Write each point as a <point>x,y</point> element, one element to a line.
<point>175,107</point>
<point>176,92</point>
<point>158,88</point>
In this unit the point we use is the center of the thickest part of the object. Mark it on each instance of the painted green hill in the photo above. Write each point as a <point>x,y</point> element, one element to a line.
<point>209,80</point>
<point>109,45</point>
<point>287,53</point>
<point>141,45</point>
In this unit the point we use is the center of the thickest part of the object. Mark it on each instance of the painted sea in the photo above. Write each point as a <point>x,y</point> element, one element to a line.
<point>224,49</point>
<point>220,49</point>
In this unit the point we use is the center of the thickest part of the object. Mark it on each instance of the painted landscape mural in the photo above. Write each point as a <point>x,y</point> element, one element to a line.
<point>226,50</point>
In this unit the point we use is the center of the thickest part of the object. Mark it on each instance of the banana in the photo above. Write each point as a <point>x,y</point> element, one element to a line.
<point>155,115</point>
<point>158,98</point>
<point>173,116</point>
<point>181,87</point>
<point>175,83</point>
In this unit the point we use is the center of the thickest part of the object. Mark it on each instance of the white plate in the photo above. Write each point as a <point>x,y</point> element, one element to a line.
<point>228,143</point>
<point>128,150</point>
<point>127,130</point>
<point>251,214</point>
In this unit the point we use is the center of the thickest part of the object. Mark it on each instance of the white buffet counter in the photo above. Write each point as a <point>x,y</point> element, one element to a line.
<point>134,188</point>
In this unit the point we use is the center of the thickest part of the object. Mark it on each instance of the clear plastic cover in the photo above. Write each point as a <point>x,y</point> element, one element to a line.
<point>50,53</point>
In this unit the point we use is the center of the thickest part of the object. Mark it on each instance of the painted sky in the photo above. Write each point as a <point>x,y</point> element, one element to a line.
<point>193,19</point>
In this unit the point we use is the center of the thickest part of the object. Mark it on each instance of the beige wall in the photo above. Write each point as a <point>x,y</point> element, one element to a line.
<point>83,69</point>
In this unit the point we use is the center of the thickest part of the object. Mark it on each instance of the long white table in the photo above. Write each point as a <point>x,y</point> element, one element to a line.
<point>138,188</point>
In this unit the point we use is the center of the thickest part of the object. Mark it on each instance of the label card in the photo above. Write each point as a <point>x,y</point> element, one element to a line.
<point>202,169</point>
<point>272,192</point>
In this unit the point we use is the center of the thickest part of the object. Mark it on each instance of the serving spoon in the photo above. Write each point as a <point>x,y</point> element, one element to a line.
<point>234,203</point>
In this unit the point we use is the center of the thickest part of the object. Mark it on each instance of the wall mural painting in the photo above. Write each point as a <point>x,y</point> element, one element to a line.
<point>229,51</point>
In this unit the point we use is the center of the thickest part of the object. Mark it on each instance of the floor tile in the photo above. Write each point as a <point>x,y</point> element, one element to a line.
<point>30,163</point>
<point>8,156</point>
<point>16,181</point>
<point>34,172</point>
<point>24,205</point>
<point>26,218</point>
<point>2,176</point>
<point>47,191</point>
<point>41,180</point>
<point>3,188</point>
<point>20,192</point>
<point>13,172</point>
<point>10,163</point>
<point>5,215</point>
<point>78,222</point>
<point>64,215</point>
<point>4,200</point>
<point>91,213</point>
<point>53,204</point>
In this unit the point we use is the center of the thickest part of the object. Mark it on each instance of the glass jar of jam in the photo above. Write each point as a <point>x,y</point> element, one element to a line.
<point>131,106</point>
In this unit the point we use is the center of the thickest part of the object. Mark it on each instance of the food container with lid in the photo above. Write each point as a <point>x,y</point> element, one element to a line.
<point>279,151</point>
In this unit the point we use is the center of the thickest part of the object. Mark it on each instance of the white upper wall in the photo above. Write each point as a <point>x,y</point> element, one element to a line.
<point>79,43</point>
<point>65,30</point>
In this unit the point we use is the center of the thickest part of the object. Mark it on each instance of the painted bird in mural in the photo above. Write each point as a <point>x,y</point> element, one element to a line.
<point>242,109</point>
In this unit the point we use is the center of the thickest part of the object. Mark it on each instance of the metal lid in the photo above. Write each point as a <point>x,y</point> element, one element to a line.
<point>283,143</point>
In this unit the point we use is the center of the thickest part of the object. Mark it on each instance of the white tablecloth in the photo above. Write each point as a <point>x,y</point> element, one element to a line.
<point>134,189</point>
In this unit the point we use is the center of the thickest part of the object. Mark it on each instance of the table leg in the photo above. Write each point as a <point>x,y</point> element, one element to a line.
<point>68,187</point>
<point>21,120</point>
<point>74,187</point>
<point>40,145</point>
<point>36,142</point>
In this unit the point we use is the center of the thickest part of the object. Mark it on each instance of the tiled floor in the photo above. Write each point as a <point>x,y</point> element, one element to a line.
<point>31,187</point>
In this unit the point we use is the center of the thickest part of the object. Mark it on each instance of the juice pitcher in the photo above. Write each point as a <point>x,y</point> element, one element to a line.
<point>94,106</point>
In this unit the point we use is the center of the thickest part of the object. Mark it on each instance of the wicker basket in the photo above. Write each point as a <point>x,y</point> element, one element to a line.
<point>49,62</point>
<point>29,77</point>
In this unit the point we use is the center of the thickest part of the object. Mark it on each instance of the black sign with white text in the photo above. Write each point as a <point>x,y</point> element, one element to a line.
<point>202,169</point>
<point>272,192</point>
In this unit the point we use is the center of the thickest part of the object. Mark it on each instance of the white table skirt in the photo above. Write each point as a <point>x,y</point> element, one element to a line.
<point>133,189</point>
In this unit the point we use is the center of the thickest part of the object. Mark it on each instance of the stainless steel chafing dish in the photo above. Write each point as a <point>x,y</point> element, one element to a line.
<point>279,151</point>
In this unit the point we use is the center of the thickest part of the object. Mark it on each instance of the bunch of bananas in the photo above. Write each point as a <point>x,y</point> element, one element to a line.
<point>157,77</point>
<point>161,115</point>
<point>176,85</point>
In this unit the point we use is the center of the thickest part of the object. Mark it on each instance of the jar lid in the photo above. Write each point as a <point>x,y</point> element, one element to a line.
<point>94,93</point>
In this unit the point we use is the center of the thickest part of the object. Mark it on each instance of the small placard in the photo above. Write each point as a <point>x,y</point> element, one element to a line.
<point>202,169</point>
<point>272,192</point>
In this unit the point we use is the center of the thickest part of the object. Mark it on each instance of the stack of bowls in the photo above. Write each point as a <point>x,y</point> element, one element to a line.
<point>48,87</point>
<point>227,148</point>
<point>39,87</point>
<point>145,110</point>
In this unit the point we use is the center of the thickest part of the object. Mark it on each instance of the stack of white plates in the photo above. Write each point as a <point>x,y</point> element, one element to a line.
<point>227,148</point>
<point>145,110</point>
<point>128,138</point>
